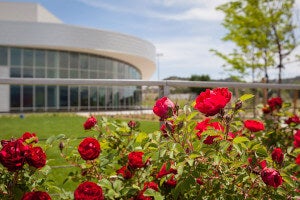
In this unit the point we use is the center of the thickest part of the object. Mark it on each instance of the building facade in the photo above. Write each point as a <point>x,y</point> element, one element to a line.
<point>35,44</point>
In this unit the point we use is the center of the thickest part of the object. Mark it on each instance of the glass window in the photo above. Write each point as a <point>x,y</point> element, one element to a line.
<point>40,96</point>
<point>27,72</point>
<point>93,74</point>
<point>84,96</point>
<point>84,74</point>
<point>15,72</point>
<point>101,96</point>
<point>51,73</point>
<point>3,56</point>
<point>52,59</point>
<point>93,96</point>
<point>63,96</point>
<point>93,62</point>
<point>15,56</point>
<point>63,60</point>
<point>40,56</point>
<point>27,96</point>
<point>101,64</point>
<point>15,96</point>
<point>74,96</point>
<point>74,60</point>
<point>84,61</point>
<point>63,73</point>
<point>28,57</point>
<point>40,72</point>
<point>73,73</point>
<point>51,96</point>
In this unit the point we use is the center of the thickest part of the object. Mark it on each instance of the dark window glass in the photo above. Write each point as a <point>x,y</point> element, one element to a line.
<point>52,59</point>
<point>15,72</point>
<point>51,73</point>
<point>3,56</point>
<point>93,62</point>
<point>39,96</point>
<point>27,96</point>
<point>74,60</point>
<point>84,61</point>
<point>28,57</point>
<point>51,96</point>
<point>63,60</point>
<point>15,56</point>
<point>73,74</point>
<point>40,56</point>
<point>84,74</point>
<point>63,73</point>
<point>101,96</point>
<point>63,96</point>
<point>15,97</point>
<point>27,72</point>
<point>84,96</point>
<point>40,72</point>
<point>74,96</point>
<point>93,96</point>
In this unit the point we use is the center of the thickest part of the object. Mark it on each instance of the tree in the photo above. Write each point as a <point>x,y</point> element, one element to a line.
<point>197,90</point>
<point>260,30</point>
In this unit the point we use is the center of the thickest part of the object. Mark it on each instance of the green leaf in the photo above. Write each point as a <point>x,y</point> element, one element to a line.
<point>152,193</point>
<point>50,140</point>
<point>246,97</point>
<point>240,139</point>
<point>262,152</point>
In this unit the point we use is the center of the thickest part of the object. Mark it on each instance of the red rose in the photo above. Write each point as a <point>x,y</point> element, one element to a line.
<point>298,160</point>
<point>12,155</point>
<point>90,123</point>
<point>206,124</point>
<point>277,155</point>
<point>275,103</point>
<point>163,171</point>
<point>38,195</point>
<point>266,109</point>
<point>199,181</point>
<point>29,138</point>
<point>213,101</point>
<point>88,191</point>
<point>166,127</point>
<point>125,172</point>
<point>210,139</point>
<point>271,177</point>
<point>147,185</point>
<point>36,157</point>
<point>297,139</point>
<point>254,125</point>
<point>164,108</point>
<point>135,159</point>
<point>89,148</point>
<point>293,120</point>
<point>132,124</point>
<point>171,182</point>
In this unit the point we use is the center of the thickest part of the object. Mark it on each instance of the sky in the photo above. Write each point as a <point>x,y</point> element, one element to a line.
<point>183,31</point>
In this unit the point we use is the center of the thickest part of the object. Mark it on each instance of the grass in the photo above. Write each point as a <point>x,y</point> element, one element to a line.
<point>47,125</point>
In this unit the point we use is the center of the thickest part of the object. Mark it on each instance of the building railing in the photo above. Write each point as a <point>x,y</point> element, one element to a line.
<point>164,85</point>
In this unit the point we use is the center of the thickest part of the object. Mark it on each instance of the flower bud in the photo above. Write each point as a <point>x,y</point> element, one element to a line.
<point>61,146</point>
<point>238,105</point>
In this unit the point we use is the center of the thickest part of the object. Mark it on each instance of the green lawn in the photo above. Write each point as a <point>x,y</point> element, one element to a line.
<point>47,125</point>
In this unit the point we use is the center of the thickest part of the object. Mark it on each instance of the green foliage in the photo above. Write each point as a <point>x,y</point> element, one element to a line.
<point>197,170</point>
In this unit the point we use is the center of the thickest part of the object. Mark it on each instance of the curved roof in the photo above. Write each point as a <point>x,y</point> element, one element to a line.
<point>132,50</point>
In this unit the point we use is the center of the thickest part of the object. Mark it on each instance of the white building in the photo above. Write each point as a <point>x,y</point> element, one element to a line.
<point>36,44</point>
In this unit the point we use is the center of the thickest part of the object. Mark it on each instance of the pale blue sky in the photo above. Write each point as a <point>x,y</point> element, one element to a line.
<point>182,30</point>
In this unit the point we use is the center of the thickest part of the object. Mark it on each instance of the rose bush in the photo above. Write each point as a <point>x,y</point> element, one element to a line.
<point>204,150</point>
<point>22,175</point>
